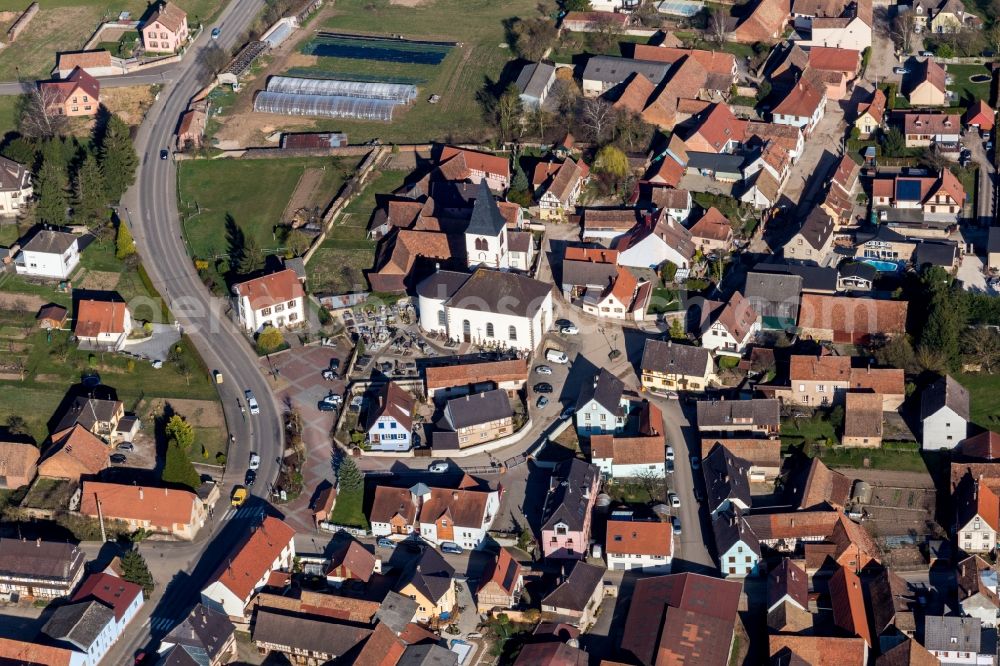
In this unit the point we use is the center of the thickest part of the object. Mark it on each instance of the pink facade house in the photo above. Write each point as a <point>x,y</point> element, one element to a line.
<point>166,30</point>
<point>566,517</point>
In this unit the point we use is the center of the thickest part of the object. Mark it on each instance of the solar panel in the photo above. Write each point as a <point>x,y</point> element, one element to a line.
<point>908,190</point>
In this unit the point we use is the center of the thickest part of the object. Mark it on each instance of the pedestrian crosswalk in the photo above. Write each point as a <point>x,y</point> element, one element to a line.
<point>162,624</point>
<point>245,512</point>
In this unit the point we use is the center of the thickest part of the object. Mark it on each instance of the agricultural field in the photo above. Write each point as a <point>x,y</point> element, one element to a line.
<point>66,25</point>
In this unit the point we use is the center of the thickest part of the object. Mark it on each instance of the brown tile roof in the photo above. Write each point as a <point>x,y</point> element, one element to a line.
<point>667,197</point>
<point>712,225</point>
<point>319,603</point>
<point>985,445</point>
<point>687,81</point>
<point>551,653</point>
<point>930,72</point>
<point>596,255</point>
<point>23,653</point>
<point>112,591</point>
<point>618,219</point>
<point>389,502</point>
<point>822,484</point>
<point>834,60</point>
<point>84,59</point>
<point>863,415</point>
<point>169,15</point>
<point>819,368</point>
<point>628,450</point>
<point>74,453</point>
<point>757,452</point>
<point>383,648</point>
<point>96,317</point>
<point>57,92</point>
<point>737,316</point>
<point>162,506</point>
<point>792,524</point>
<point>788,579</point>
<point>970,582</point>
<point>846,173</point>
<point>989,471</point>
<point>802,101</point>
<point>447,376</point>
<point>633,537</point>
<point>564,177</point>
<point>852,315</point>
<point>786,136</point>
<point>765,23</point>
<point>272,289</point>
<point>816,650</point>
<point>719,126</point>
<point>850,539</point>
<point>848,603</point>
<point>18,459</point>
<point>53,314</point>
<point>465,508</point>
<point>394,401</point>
<point>634,97</point>
<point>355,558</point>
<point>950,184</point>
<point>874,108</point>
<point>490,164</point>
<point>718,62</point>
<point>503,571</point>
<point>932,123</point>
<point>252,558</point>
<point>979,113</point>
<point>907,653</point>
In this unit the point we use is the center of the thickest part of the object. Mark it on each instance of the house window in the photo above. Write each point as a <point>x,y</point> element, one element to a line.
<point>511,333</point>
<point>489,330</point>
<point>279,308</point>
<point>265,312</point>
<point>442,319</point>
<point>292,317</point>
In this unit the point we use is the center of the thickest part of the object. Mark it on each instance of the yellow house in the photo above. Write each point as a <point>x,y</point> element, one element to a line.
<point>430,581</point>
<point>676,367</point>
<point>930,85</point>
<point>952,17</point>
<point>871,114</point>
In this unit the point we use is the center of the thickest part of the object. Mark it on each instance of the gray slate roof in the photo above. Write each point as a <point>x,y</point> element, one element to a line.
<point>817,228</point>
<point>79,624</point>
<point>429,573</point>
<point>945,392</point>
<point>204,631</point>
<point>500,293</point>
<point>939,632</point>
<point>46,560</point>
<point>814,278</point>
<point>880,233</point>
<point>730,528</point>
<point>50,242</point>
<point>305,633</point>
<point>574,593</point>
<point>669,358</point>
<point>936,253</point>
<point>774,294</point>
<point>87,412</point>
<point>534,78</point>
<point>606,390</point>
<point>477,408</point>
<point>428,655</point>
<point>614,70</point>
<point>486,218</point>
<point>727,413</point>
<point>588,274</point>
<point>993,244</point>
<point>718,162</point>
<point>396,611</point>
<point>727,477</point>
<point>441,285</point>
<point>13,175</point>
<point>566,501</point>
<point>858,269</point>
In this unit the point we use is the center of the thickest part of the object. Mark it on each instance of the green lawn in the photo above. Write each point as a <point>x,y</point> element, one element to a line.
<point>814,429</point>
<point>984,392</point>
<point>253,192</point>
<point>964,89</point>
<point>576,44</point>
<point>349,510</point>
<point>8,113</point>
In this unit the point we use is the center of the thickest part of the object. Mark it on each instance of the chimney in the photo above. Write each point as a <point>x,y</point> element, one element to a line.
<point>140,494</point>
<point>454,494</point>
<point>38,542</point>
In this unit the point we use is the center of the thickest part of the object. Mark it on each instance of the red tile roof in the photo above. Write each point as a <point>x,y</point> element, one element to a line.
<point>114,592</point>
<point>57,92</point>
<point>816,650</point>
<point>863,415</point>
<point>628,450</point>
<point>834,60</point>
<point>632,537</point>
<point>985,445</point>
<point>718,62</point>
<point>806,367</point>
<point>120,501</point>
<point>248,563</point>
<point>272,289</point>
<point>765,23</point>
<point>484,162</point>
<point>719,126</point>
<point>96,317</point>
<point>446,376</point>
<point>75,452</point>
<point>885,381</point>
<point>852,315</point>
<point>932,123</point>
<point>169,15</point>
<point>802,101</point>
<point>875,108</point>
<point>980,113</point>
<point>848,602</point>
<point>596,255</point>
<point>503,571</point>
<point>713,225</point>
<point>23,653</point>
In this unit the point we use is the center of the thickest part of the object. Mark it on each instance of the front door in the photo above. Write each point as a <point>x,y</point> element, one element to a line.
<point>466,331</point>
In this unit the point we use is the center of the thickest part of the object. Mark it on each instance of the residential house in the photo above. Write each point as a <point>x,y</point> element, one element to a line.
<point>919,198</point>
<point>306,638</point>
<point>534,83</point>
<point>762,189</point>
<point>837,68</point>
<point>892,605</point>
<point>856,276</point>
<point>430,581</point>
<point>944,414</point>
<point>681,618</point>
<point>984,447</point>
<point>267,548</point>
<point>205,637</point>
<point>630,457</point>
<point>977,514</point>
<point>727,328</point>
<point>602,73</point>
<point>849,545</point>
<point>841,24</point>
<point>715,131</point>
<point>845,319</point>
<point>475,167</point>
<point>624,297</point>
<point>907,651</point>
<point>602,406</point>
<point>474,419</point>
<point>462,515</point>
<point>787,136</point>
<point>551,653</point>
<point>922,11</point>
<point>443,382</point>
<point>814,240</point>
<point>642,545</point>
<point>816,380</point>
<point>670,366</point>
<point>161,511</point>
<point>102,324</point>
<point>937,253</point>
<point>101,417</point>
<point>52,317</point>
<point>501,583</point>
<point>589,21</point>
<point>802,107</point>
<point>812,485</point>
<point>576,600</point>
<point>15,188</point>
<point>952,16</point>
<point>943,130</point>
<point>40,569</point>
<point>788,598</point>
<point>352,561</point>
<point>389,424</point>
<point>73,454</point>
<point>816,650</point>
<point>977,590</point>
<point>775,296</point>
<point>97,63</point>
<point>18,464</point>
<point>927,85</point>
<point>673,202</point>
<point>787,532</point>
<point>566,513</point>
<point>955,640</point>
<point>842,192</point>
<point>521,249</point>
<point>275,300</point>
<point>660,239</point>
<point>884,244</point>
<point>488,307</point>
<point>558,186</point>
<point>737,545</point>
<point>760,416</point>
<point>48,254</point>
<point>980,116</point>
<point>848,603</point>
<point>166,29</point>
<point>862,420</point>
<point>871,115</point>
<point>712,233</point>
<point>727,481</point>
<point>79,94</point>
<point>764,455</point>
<point>604,225</point>
<point>815,279</point>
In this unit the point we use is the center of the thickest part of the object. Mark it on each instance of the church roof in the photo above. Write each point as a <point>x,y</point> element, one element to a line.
<point>486,217</point>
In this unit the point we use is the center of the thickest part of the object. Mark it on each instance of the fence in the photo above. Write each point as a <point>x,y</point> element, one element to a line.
<point>353,531</point>
<point>22,22</point>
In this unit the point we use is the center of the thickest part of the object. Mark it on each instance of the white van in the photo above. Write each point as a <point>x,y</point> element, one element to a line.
<point>670,453</point>
<point>556,356</point>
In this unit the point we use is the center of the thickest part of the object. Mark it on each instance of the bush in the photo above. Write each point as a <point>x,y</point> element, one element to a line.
<point>325,318</point>
<point>696,284</point>
<point>728,362</point>
<point>270,340</point>
<point>901,446</point>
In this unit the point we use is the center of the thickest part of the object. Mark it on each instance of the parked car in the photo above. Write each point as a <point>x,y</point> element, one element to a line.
<point>556,356</point>
<point>677,524</point>
<point>543,387</point>
<point>670,466</point>
<point>330,403</point>
<point>543,370</point>
<point>675,501</point>
<point>670,453</point>
<point>541,402</point>
<point>250,477</point>
<point>569,330</point>
<point>451,547</point>
<point>118,458</point>
<point>386,543</point>
<point>251,402</point>
<point>218,376</point>
<point>239,497</point>
<point>216,32</point>
<point>126,446</point>
<point>438,467</point>
<point>254,461</point>
<point>695,462</point>
<point>926,54</point>
<point>900,70</point>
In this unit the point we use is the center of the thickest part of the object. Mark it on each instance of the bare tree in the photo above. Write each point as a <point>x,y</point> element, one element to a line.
<point>39,114</point>
<point>718,27</point>
<point>538,120</point>
<point>508,114</point>
<point>596,116</point>
<point>901,30</point>
<point>608,30</point>
<point>982,345</point>
<point>214,58</point>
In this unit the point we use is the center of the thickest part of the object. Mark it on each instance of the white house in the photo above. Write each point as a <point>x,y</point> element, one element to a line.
<point>853,33</point>
<point>977,590</point>
<point>267,548</point>
<point>737,545</point>
<point>102,324</point>
<point>645,546</point>
<point>675,203</point>
<point>275,300</point>
<point>629,457</point>
<point>534,83</point>
<point>802,107</point>
<point>558,186</point>
<point>944,414</point>
<point>602,407</point>
<point>977,516</point>
<point>493,308</point>
<point>15,187</point>
<point>651,244</point>
<point>486,242</point>
<point>462,515</point>
<point>390,420</point>
<point>956,640</point>
<point>727,328</point>
<point>49,254</point>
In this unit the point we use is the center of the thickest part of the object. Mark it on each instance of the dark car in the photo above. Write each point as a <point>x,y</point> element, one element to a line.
<point>164,154</point>
<point>118,458</point>
<point>541,402</point>
<point>543,387</point>
<point>250,478</point>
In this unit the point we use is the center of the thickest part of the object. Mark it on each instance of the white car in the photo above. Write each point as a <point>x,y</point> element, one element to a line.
<point>556,356</point>
<point>438,467</point>
<point>251,402</point>
<point>543,370</point>
<point>675,501</point>
<point>670,453</point>
<point>570,329</point>
<point>254,461</point>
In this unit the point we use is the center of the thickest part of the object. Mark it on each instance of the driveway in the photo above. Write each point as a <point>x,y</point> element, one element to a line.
<point>156,346</point>
<point>809,175</point>
<point>986,196</point>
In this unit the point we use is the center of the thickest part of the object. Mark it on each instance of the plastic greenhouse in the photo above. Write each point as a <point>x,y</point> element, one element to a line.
<point>367,90</point>
<point>326,106</point>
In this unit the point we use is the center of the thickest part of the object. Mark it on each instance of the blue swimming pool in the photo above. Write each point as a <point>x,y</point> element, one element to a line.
<point>882,266</point>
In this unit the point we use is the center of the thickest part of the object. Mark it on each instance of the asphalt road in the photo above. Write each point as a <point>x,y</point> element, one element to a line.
<point>150,209</point>
<point>163,74</point>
